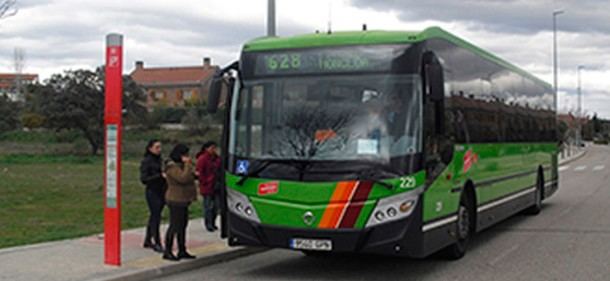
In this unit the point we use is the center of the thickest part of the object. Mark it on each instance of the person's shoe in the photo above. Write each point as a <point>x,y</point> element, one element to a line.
<point>147,244</point>
<point>170,257</point>
<point>210,228</point>
<point>215,227</point>
<point>185,255</point>
<point>158,248</point>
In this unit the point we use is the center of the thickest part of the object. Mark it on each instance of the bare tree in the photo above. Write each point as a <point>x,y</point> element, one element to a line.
<point>306,132</point>
<point>7,8</point>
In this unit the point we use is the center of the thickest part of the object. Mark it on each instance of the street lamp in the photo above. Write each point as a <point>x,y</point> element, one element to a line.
<point>271,20</point>
<point>579,116</point>
<point>555,86</point>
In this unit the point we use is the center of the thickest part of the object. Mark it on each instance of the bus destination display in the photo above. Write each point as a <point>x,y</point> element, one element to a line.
<point>361,59</point>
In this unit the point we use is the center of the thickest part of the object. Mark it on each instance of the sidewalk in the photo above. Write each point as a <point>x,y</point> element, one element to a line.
<point>572,153</point>
<point>82,258</point>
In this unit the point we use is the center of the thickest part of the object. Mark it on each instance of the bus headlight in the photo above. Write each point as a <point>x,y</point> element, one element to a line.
<point>240,205</point>
<point>394,207</point>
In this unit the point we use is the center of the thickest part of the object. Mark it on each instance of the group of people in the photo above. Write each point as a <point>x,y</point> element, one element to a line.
<point>173,183</point>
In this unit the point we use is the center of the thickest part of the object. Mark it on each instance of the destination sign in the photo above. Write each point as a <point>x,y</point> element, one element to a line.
<point>328,60</point>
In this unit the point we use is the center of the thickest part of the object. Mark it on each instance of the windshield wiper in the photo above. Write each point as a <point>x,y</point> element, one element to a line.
<point>370,174</point>
<point>376,181</point>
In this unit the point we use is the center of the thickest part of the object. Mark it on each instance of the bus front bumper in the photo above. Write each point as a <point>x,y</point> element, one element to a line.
<point>402,237</point>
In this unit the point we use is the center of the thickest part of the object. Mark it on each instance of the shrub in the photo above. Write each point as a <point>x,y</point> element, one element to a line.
<point>32,120</point>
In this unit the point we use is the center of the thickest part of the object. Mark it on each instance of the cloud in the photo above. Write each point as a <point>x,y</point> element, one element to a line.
<point>69,34</point>
<point>507,16</point>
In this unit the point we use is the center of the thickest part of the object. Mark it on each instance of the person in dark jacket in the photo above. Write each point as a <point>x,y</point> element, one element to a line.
<point>181,191</point>
<point>208,164</point>
<point>151,176</point>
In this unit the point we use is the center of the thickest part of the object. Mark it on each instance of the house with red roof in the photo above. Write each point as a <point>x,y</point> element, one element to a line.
<point>174,86</point>
<point>12,84</point>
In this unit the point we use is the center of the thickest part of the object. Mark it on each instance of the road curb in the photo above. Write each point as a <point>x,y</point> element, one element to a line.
<point>578,156</point>
<point>184,266</point>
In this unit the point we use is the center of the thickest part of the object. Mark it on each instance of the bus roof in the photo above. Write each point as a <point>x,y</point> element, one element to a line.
<point>346,38</point>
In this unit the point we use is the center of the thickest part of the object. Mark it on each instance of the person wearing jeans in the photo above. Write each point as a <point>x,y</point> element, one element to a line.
<point>208,164</point>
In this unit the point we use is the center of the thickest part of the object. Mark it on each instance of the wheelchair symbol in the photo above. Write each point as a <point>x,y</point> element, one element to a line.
<point>242,166</point>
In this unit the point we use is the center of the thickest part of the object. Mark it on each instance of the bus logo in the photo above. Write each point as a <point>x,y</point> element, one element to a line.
<point>268,188</point>
<point>470,158</point>
<point>308,218</point>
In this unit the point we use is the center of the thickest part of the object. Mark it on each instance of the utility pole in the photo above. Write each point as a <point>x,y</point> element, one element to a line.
<point>271,18</point>
<point>579,116</point>
<point>19,63</point>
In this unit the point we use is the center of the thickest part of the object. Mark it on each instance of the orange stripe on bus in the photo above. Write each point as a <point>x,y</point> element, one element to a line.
<point>346,205</point>
<point>338,202</point>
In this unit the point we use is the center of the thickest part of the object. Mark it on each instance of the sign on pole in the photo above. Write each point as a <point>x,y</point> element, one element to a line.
<point>112,161</point>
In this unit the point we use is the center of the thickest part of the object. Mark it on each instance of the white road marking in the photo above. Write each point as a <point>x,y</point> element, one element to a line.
<point>503,255</point>
<point>580,168</point>
<point>563,168</point>
<point>599,167</point>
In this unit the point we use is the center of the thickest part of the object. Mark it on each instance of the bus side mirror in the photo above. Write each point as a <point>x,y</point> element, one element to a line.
<point>214,94</point>
<point>436,83</point>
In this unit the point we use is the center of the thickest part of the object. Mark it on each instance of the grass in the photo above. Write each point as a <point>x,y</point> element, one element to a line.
<point>51,188</point>
<point>42,136</point>
<point>45,197</point>
<point>70,143</point>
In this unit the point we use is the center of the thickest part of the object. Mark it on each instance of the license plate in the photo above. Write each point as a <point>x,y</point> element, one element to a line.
<point>311,244</point>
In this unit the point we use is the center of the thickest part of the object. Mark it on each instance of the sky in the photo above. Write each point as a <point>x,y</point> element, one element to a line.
<point>58,35</point>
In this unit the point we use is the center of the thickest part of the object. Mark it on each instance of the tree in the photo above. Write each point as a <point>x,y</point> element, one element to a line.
<point>74,100</point>
<point>597,126</point>
<point>7,8</point>
<point>199,122</point>
<point>9,113</point>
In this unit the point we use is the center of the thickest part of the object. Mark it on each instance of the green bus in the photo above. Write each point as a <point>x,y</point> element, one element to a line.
<point>383,142</point>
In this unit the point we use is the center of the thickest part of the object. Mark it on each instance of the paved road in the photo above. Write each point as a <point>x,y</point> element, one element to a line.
<point>569,240</point>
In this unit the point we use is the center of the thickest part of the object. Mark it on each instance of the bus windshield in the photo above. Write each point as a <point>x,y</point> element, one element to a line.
<point>317,118</point>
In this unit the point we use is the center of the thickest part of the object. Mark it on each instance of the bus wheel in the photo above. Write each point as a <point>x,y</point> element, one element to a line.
<point>464,229</point>
<point>537,207</point>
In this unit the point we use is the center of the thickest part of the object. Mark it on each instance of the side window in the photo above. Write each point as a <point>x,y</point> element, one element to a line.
<point>490,103</point>
<point>250,112</point>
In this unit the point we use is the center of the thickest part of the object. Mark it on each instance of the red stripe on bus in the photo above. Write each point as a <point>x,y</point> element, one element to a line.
<point>356,204</point>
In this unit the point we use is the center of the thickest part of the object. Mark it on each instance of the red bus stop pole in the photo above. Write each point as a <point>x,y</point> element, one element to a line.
<point>112,160</point>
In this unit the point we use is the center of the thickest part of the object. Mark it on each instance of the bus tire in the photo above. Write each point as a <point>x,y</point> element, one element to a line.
<point>465,226</point>
<point>537,207</point>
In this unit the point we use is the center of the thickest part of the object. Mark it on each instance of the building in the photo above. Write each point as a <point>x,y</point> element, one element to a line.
<point>12,84</point>
<point>174,86</point>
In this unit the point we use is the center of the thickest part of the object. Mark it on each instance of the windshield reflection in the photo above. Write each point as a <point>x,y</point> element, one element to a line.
<point>356,117</point>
